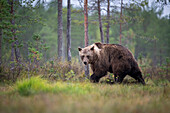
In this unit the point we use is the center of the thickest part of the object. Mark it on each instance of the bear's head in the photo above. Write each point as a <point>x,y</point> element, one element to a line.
<point>90,53</point>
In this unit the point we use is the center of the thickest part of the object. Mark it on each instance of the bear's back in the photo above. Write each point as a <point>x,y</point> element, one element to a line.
<point>116,51</point>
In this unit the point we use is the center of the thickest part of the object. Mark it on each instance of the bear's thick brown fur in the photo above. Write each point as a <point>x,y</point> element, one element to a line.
<point>113,58</point>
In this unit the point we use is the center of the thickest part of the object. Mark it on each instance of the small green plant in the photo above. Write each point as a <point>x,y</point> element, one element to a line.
<point>34,54</point>
<point>110,79</point>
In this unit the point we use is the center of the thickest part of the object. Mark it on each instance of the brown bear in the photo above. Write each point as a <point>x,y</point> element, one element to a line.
<point>113,58</point>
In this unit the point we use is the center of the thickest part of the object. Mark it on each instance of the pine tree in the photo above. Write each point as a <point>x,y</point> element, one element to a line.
<point>108,22</point>
<point>100,22</point>
<point>69,31</point>
<point>86,33</point>
<point>60,29</point>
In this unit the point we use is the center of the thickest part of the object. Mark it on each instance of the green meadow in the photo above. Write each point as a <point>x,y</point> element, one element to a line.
<point>38,95</point>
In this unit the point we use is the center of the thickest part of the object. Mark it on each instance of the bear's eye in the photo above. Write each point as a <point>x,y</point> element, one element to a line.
<point>82,57</point>
<point>88,56</point>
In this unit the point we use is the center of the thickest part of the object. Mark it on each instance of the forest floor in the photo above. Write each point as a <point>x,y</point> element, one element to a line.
<point>37,95</point>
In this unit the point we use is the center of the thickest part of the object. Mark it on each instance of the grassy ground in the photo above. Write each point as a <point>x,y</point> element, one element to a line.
<point>37,95</point>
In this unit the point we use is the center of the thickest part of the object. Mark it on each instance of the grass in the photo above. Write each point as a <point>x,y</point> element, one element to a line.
<point>39,95</point>
<point>36,85</point>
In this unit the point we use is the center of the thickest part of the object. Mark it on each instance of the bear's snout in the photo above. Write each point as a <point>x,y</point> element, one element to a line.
<point>85,63</point>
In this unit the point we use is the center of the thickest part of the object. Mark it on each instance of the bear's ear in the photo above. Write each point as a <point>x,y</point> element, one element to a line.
<point>92,48</point>
<point>99,45</point>
<point>79,48</point>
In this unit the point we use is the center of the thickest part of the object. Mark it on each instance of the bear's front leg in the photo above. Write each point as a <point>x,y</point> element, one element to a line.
<point>95,77</point>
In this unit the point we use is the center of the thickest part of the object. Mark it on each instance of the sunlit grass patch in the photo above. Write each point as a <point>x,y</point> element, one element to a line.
<point>32,85</point>
<point>36,85</point>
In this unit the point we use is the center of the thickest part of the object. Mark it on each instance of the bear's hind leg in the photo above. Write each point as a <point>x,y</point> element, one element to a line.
<point>138,77</point>
<point>141,80</point>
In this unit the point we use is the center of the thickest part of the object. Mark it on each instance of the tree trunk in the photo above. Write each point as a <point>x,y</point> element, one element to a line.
<point>155,53</point>
<point>0,46</point>
<point>17,56</point>
<point>17,52</point>
<point>108,22</point>
<point>60,29</point>
<point>86,33</point>
<point>86,22</point>
<point>13,36</point>
<point>68,31</point>
<point>160,57</point>
<point>121,22</point>
<point>64,48</point>
<point>100,22</point>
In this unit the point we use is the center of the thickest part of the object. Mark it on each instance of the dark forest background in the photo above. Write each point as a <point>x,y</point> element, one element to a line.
<point>29,32</point>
